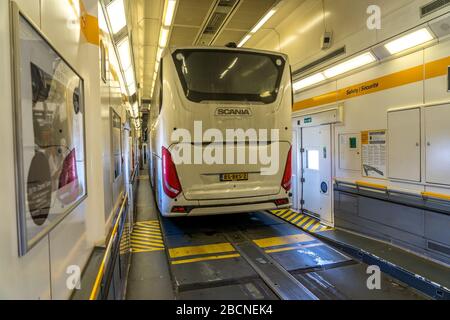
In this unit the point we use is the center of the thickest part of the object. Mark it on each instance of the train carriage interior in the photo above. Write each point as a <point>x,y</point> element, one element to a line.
<point>225,150</point>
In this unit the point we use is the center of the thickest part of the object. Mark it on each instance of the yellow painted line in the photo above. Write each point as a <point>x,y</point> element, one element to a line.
<point>146,250</point>
<point>198,250</point>
<point>422,72</point>
<point>151,222</point>
<point>147,236</point>
<point>286,214</point>
<point>146,243</point>
<point>145,232</point>
<point>294,248</point>
<point>298,218</point>
<point>149,227</point>
<point>281,212</point>
<point>159,240</point>
<point>303,221</point>
<point>292,216</point>
<point>309,223</point>
<point>223,257</point>
<point>316,226</point>
<point>280,241</point>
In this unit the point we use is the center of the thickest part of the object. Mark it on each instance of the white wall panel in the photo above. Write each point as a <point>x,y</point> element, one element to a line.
<point>437,135</point>
<point>436,88</point>
<point>69,247</point>
<point>27,277</point>
<point>404,140</point>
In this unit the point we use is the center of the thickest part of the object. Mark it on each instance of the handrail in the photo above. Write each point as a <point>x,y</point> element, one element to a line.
<point>101,271</point>
<point>371,185</point>
<point>424,195</point>
<point>435,195</point>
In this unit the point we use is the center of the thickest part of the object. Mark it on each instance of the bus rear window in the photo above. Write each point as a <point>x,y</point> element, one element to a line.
<point>227,75</point>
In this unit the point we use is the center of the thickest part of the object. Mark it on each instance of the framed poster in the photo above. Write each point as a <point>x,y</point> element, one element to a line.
<point>374,153</point>
<point>116,143</point>
<point>49,133</point>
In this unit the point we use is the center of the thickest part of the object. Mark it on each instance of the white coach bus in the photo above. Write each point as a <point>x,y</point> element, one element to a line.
<point>220,124</point>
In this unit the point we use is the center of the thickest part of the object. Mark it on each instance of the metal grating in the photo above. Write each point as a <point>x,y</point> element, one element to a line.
<point>313,64</point>
<point>433,7</point>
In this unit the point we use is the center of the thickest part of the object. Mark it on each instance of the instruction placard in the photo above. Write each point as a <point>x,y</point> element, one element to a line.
<point>374,155</point>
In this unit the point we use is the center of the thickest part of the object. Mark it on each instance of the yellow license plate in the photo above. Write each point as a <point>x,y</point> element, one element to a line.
<point>226,177</point>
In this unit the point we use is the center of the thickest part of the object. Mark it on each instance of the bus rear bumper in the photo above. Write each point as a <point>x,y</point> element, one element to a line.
<point>227,206</point>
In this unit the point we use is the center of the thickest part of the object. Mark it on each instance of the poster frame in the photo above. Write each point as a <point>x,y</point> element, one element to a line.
<point>25,245</point>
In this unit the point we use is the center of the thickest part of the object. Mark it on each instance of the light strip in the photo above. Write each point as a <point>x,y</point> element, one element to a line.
<point>349,65</point>
<point>124,53</point>
<point>309,81</point>
<point>263,20</point>
<point>243,41</point>
<point>170,13</point>
<point>164,37</point>
<point>116,13</point>
<point>258,26</point>
<point>409,41</point>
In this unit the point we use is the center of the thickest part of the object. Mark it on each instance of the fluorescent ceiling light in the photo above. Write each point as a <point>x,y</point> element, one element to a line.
<point>309,81</point>
<point>349,65</point>
<point>116,13</point>
<point>124,53</point>
<point>159,54</point>
<point>132,89</point>
<point>243,41</point>
<point>263,20</point>
<point>164,37</point>
<point>170,12</point>
<point>409,41</point>
<point>129,76</point>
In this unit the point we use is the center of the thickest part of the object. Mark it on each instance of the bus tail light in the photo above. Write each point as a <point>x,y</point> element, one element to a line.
<point>171,183</point>
<point>287,177</point>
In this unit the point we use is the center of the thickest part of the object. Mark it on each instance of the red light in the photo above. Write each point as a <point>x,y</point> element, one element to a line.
<point>281,202</point>
<point>171,183</point>
<point>287,177</point>
<point>179,210</point>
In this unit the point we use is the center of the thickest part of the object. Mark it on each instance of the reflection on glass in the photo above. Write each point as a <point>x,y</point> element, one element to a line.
<point>313,160</point>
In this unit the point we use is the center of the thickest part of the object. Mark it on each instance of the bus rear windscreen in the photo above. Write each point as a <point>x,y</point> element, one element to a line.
<point>225,75</point>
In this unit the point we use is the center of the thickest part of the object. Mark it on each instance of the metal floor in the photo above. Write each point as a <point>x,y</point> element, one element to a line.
<point>253,256</point>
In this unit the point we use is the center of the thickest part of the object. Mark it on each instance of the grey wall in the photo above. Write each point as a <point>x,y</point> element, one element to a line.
<point>421,231</point>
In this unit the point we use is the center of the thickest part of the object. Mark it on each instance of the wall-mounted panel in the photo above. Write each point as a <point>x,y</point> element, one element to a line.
<point>404,136</point>
<point>437,132</point>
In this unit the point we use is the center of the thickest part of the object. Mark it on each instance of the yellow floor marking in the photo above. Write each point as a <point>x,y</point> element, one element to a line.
<point>292,216</point>
<point>146,250</point>
<point>294,248</point>
<point>147,236</point>
<point>282,212</point>
<point>148,228</point>
<point>315,227</point>
<point>142,232</point>
<point>298,218</point>
<point>147,243</point>
<point>146,239</point>
<point>141,247</point>
<point>198,250</point>
<point>309,223</point>
<point>303,221</point>
<point>229,256</point>
<point>286,214</point>
<point>280,241</point>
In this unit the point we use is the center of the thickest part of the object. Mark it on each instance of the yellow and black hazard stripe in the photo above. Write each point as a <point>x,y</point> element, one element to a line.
<point>147,237</point>
<point>303,221</point>
<point>125,245</point>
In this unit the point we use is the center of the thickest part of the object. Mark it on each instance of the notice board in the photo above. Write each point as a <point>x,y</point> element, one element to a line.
<point>374,153</point>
